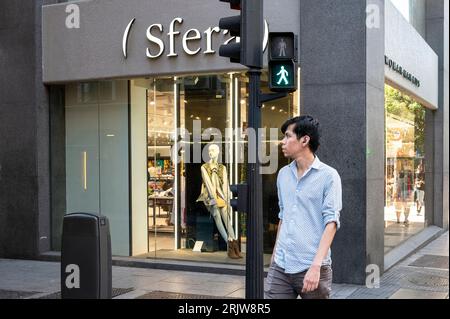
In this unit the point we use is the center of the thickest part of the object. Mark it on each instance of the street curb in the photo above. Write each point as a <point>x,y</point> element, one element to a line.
<point>175,265</point>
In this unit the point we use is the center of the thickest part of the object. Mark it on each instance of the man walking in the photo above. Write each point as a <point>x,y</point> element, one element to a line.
<point>310,200</point>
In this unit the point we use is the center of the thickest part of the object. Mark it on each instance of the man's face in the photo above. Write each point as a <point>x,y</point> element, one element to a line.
<point>291,146</point>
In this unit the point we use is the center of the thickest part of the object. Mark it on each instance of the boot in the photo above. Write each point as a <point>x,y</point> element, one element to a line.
<point>231,251</point>
<point>236,248</point>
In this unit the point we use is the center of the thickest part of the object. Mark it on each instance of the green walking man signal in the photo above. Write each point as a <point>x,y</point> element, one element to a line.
<point>282,58</point>
<point>283,76</point>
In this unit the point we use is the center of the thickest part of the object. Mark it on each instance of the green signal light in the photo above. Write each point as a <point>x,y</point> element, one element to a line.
<point>282,61</point>
<point>282,75</point>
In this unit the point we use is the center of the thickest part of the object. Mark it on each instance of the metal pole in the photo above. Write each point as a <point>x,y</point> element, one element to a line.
<point>254,279</point>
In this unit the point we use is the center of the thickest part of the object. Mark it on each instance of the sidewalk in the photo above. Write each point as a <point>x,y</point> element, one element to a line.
<point>424,275</point>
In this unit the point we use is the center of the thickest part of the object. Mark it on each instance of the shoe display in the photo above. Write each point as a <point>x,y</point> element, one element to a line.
<point>236,248</point>
<point>231,250</point>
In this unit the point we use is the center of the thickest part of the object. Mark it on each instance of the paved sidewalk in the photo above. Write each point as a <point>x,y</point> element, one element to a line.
<point>424,275</point>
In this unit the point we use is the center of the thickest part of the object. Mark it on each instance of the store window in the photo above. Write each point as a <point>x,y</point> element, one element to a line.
<point>404,167</point>
<point>143,152</point>
<point>161,125</point>
<point>197,127</point>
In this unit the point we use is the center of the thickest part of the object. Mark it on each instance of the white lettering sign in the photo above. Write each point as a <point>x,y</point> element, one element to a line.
<point>155,40</point>
<point>188,39</point>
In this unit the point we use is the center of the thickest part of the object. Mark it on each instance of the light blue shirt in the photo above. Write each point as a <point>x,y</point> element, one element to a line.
<point>307,205</point>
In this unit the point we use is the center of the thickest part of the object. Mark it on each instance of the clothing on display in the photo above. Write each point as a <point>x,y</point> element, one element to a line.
<point>216,195</point>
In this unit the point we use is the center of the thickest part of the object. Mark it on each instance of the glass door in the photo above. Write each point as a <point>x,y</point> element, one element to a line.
<point>97,179</point>
<point>161,189</point>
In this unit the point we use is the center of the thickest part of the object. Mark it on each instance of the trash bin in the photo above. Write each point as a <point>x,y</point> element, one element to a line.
<point>86,269</point>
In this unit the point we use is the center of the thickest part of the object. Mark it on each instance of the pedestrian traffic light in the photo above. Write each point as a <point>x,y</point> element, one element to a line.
<point>282,58</point>
<point>248,30</point>
<point>239,202</point>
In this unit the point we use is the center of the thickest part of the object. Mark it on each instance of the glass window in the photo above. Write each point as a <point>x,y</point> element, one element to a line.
<point>186,134</point>
<point>404,167</point>
<point>161,125</point>
<point>206,104</point>
<point>205,110</point>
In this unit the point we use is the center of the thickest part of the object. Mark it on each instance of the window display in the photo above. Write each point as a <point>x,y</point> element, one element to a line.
<point>196,148</point>
<point>216,196</point>
<point>404,167</point>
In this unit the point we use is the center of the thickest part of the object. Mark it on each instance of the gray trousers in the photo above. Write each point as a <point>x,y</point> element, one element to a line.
<point>280,285</point>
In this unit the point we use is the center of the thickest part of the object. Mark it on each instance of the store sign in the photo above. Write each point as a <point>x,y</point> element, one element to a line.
<point>402,71</point>
<point>145,38</point>
<point>155,32</point>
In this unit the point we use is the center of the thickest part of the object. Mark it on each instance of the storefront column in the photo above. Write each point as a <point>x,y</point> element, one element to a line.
<point>24,143</point>
<point>437,139</point>
<point>342,84</point>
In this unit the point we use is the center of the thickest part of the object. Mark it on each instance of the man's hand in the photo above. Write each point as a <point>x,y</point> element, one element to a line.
<point>312,277</point>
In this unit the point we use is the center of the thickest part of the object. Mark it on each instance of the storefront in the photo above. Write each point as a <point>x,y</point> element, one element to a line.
<point>410,90</point>
<point>133,96</point>
<point>122,159</point>
<point>135,146</point>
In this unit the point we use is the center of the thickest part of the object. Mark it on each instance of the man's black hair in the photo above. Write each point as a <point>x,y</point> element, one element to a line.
<point>305,125</point>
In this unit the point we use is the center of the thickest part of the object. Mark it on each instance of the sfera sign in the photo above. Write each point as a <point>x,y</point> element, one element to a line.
<point>190,39</point>
<point>402,71</point>
<point>145,38</point>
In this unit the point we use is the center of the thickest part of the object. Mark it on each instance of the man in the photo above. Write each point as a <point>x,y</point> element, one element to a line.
<point>310,199</point>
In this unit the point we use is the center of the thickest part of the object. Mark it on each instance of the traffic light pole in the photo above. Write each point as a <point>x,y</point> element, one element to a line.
<point>254,279</point>
<point>249,52</point>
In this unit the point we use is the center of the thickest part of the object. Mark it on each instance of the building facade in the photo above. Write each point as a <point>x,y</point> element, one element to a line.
<point>109,107</point>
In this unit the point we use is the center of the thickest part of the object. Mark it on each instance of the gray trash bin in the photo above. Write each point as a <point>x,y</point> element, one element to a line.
<point>86,269</point>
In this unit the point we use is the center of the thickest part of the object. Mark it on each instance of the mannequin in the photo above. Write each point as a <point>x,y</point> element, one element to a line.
<point>216,196</point>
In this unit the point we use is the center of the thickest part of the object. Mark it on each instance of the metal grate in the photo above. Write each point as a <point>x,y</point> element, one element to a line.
<point>426,280</point>
<point>431,261</point>
<point>115,292</point>
<point>176,295</point>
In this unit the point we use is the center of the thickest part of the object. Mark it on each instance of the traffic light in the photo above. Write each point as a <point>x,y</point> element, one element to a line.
<point>239,202</point>
<point>248,26</point>
<point>282,57</point>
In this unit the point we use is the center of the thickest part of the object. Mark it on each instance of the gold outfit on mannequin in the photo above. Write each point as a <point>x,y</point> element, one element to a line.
<point>216,194</point>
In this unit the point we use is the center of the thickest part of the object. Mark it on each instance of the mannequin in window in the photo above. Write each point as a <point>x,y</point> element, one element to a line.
<point>402,198</point>
<point>216,194</point>
<point>419,188</point>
